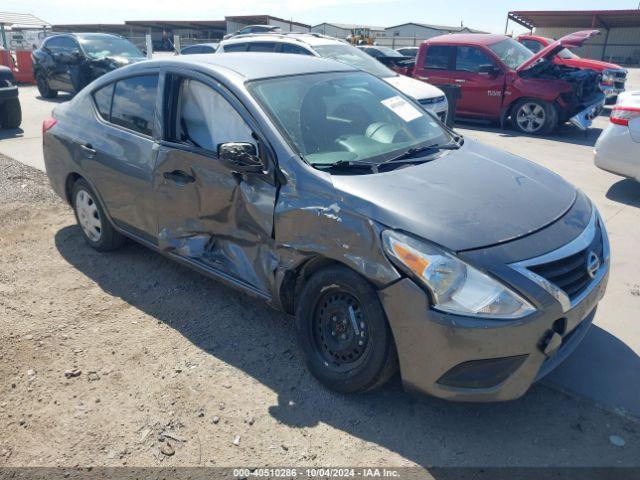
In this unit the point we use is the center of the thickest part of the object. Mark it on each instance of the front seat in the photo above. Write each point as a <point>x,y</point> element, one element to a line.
<point>314,128</point>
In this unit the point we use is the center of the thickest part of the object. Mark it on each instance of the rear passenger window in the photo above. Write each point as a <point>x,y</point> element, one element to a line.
<point>532,45</point>
<point>470,59</point>
<point>235,47</point>
<point>262,47</point>
<point>103,98</point>
<point>288,48</point>
<point>134,103</point>
<point>438,57</point>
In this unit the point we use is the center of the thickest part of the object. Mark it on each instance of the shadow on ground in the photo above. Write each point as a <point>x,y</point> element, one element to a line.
<point>564,134</point>
<point>543,428</point>
<point>625,191</point>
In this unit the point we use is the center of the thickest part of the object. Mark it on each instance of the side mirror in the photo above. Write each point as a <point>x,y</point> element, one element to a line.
<point>488,69</point>
<point>243,157</point>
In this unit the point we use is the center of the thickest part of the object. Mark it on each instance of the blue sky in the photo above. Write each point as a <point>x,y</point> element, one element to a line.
<point>487,15</point>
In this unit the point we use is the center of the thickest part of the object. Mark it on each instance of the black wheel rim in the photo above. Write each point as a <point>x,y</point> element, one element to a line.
<point>340,331</point>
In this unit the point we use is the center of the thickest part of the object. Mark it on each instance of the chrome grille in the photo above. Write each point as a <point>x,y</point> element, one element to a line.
<point>571,273</point>
<point>431,101</point>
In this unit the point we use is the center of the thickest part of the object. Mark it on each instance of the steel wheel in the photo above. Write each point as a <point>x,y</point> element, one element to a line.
<point>341,333</point>
<point>531,117</point>
<point>88,215</point>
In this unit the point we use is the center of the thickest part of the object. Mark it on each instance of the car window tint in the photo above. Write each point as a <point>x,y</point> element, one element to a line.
<point>262,47</point>
<point>438,57</point>
<point>103,98</point>
<point>235,47</point>
<point>207,49</point>
<point>532,45</point>
<point>288,48</point>
<point>191,50</point>
<point>134,103</point>
<point>68,44</point>
<point>470,59</point>
<point>206,119</point>
<point>54,44</point>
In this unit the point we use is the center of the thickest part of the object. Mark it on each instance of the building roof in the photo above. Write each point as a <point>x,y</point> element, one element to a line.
<point>22,20</point>
<point>439,27</point>
<point>351,26</point>
<point>576,18</point>
<point>261,20</point>
<point>93,27</point>
<point>176,24</point>
<point>468,38</point>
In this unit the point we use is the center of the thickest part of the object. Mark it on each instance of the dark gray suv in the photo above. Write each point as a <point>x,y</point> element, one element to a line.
<point>332,196</point>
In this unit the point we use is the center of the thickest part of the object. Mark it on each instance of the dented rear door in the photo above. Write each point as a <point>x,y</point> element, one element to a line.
<point>207,212</point>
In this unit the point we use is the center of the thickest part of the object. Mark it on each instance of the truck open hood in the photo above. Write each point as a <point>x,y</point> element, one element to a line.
<point>575,39</point>
<point>469,198</point>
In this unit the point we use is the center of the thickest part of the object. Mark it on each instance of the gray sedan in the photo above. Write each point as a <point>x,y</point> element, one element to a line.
<point>332,196</point>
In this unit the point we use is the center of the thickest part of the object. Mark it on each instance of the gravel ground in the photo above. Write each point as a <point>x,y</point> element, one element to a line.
<point>129,359</point>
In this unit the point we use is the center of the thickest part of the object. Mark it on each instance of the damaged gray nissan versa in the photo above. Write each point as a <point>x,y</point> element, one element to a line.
<point>326,192</point>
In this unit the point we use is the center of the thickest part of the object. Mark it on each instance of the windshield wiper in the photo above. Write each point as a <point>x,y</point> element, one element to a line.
<point>345,164</point>
<point>415,151</point>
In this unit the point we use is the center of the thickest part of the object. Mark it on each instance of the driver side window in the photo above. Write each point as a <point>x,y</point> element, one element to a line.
<point>205,119</point>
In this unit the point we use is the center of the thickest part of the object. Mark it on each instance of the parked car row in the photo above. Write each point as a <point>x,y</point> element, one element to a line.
<point>329,192</point>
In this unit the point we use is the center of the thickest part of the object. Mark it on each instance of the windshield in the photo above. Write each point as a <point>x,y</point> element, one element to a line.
<point>354,57</point>
<point>101,47</point>
<point>512,53</point>
<point>388,52</point>
<point>567,54</point>
<point>346,116</point>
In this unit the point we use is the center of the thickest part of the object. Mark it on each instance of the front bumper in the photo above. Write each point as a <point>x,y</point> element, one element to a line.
<point>610,91</point>
<point>440,108</point>
<point>584,118</point>
<point>482,360</point>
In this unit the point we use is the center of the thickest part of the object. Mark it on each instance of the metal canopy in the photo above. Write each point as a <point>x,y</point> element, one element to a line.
<point>22,20</point>
<point>576,18</point>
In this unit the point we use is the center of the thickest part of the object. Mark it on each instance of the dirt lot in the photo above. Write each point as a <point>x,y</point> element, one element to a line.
<point>167,367</point>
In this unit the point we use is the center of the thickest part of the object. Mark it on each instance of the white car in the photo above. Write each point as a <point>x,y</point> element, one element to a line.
<point>618,148</point>
<point>430,97</point>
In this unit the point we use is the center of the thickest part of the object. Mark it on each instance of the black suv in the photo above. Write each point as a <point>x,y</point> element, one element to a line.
<point>10,111</point>
<point>68,62</point>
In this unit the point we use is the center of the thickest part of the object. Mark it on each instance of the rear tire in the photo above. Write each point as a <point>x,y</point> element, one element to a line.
<point>343,332</point>
<point>94,224</point>
<point>11,114</point>
<point>43,86</point>
<point>534,116</point>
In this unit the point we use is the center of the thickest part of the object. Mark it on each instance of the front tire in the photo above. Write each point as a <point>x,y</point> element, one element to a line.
<point>43,86</point>
<point>534,116</point>
<point>11,114</point>
<point>94,224</point>
<point>343,332</point>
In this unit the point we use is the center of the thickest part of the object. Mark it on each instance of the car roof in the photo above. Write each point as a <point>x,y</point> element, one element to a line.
<point>253,65</point>
<point>84,35</point>
<point>467,38</point>
<point>310,39</point>
<point>211,44</point>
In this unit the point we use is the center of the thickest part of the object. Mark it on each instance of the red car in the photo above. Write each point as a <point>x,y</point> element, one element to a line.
<point>613,76</point>
<point>499,78</point>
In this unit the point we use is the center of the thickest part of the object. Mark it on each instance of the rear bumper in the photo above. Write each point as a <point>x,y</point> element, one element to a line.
<point>584,118</point>
<point>467,359</point>
<point>7,93</point>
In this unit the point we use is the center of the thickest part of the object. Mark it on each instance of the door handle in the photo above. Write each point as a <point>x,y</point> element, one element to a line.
<point>88,150</point>
<point>179,177</point>
<point>460,80</point>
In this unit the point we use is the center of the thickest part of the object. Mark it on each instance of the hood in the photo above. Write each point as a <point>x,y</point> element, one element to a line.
<point>469,198</point>
<point>575,39</point>
<point>414,88</point>
<point>592,64</point>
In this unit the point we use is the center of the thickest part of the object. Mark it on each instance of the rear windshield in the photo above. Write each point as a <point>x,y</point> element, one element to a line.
<point>354,57</point>
<point>512,53</point>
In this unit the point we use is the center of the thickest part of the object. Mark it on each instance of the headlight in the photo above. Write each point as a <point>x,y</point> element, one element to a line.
<point>455,286</point>
<point>608,78</point>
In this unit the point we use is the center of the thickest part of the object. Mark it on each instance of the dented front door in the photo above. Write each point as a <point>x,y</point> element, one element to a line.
<point>207,212</point>
<point>214,216</point>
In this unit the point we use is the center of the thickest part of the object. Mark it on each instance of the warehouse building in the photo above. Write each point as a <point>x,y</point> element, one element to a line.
<point>618,42</point>
<point>425,30</point>
<point>344,30</point>
<point>235,23</point>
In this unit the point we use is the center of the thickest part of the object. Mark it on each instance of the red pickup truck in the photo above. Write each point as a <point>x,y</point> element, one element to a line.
<point>499,78</point>
<point>614,76</point>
